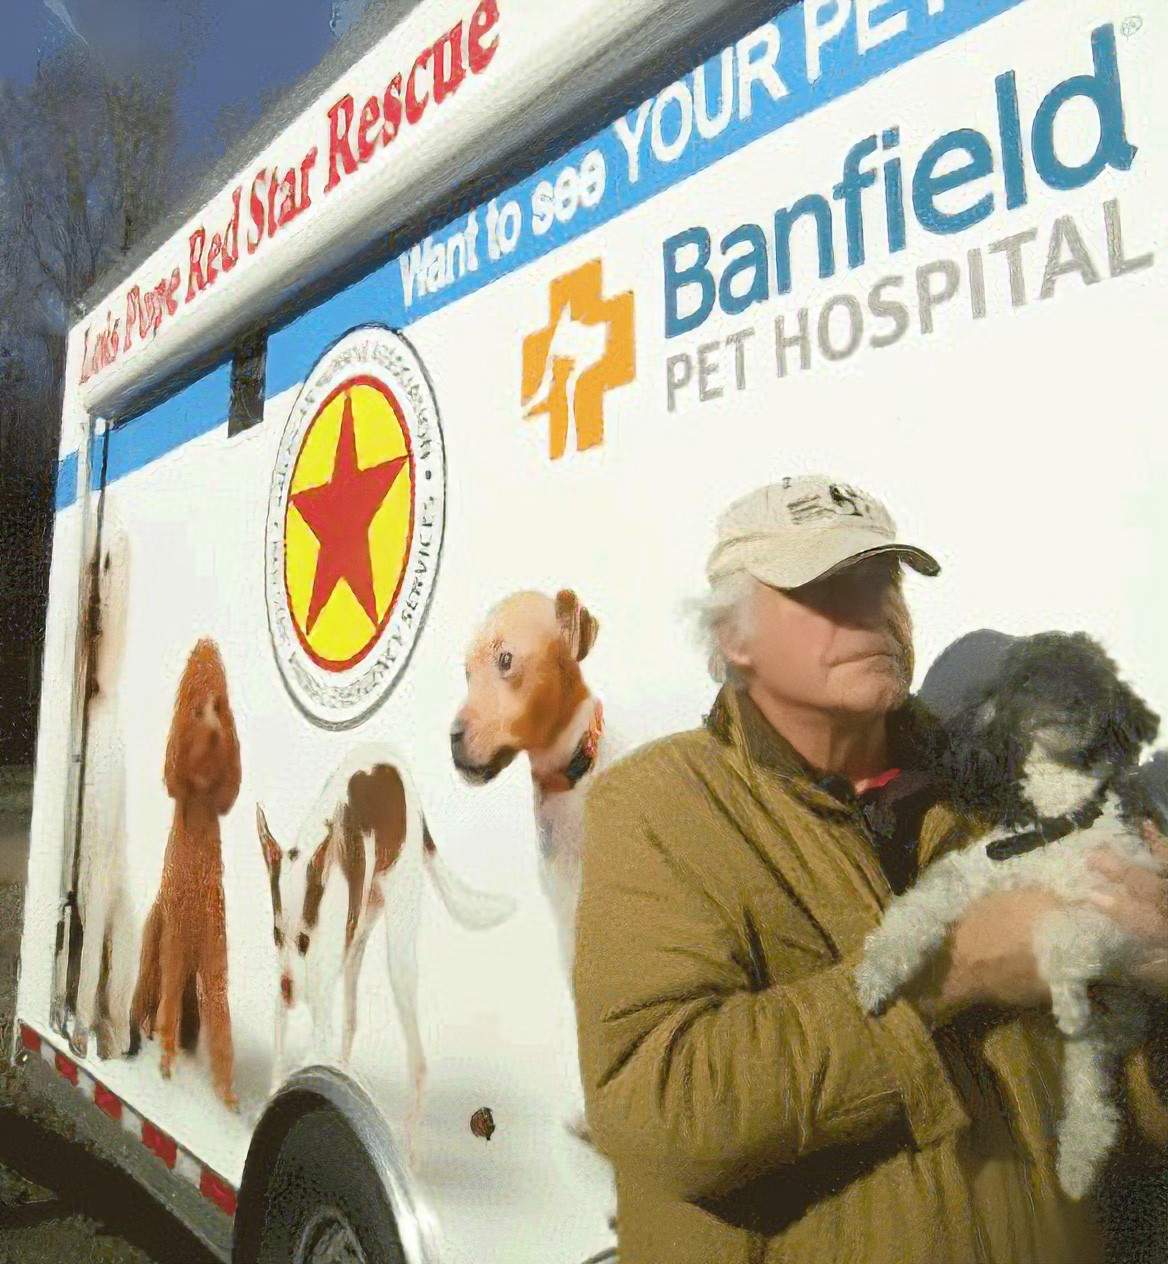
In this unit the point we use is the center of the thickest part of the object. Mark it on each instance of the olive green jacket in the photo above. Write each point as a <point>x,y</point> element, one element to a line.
<point>751,1110</point>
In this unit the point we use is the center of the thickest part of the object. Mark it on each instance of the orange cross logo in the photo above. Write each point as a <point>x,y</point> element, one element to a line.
<point>585,349</point>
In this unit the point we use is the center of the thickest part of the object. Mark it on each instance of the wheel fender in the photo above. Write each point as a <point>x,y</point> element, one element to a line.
<point>309,1088</point>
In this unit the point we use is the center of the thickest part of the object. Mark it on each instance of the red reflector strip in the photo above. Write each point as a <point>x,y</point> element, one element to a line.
<point>217,1191</point>
<point>211,1185</point>
<point>155,1140</point>
<point>106,1101</point>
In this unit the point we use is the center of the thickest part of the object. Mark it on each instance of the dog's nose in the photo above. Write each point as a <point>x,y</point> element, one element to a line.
<point>457,736</point>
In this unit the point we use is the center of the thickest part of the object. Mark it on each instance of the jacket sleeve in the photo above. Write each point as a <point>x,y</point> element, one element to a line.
<point>1146,1078</point>
<point>691,1070</point>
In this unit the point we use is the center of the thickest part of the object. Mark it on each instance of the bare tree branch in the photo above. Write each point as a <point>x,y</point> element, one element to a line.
<point>87,162</point>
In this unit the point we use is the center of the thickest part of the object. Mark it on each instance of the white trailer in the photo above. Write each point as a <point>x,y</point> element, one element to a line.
<point>509,308</point>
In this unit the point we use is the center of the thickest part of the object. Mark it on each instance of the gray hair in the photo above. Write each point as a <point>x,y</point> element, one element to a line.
<point>725,605</point>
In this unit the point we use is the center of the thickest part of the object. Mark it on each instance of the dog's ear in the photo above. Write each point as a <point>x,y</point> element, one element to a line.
<point>577,626</point>
<point>983,716</point>
<point>227,790</point>
<point>971,728</point>
<point>268,844</point>
<point>981,755</point>
<point>1133,723</point>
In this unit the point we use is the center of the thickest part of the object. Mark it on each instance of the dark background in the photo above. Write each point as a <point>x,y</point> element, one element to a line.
<point>113,116</point>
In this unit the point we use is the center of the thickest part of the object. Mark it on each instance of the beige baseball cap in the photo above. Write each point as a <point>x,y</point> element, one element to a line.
<point>802,529</point>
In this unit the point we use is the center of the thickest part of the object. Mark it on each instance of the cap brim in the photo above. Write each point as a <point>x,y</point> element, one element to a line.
<point>848,549</point>
<point>922,562</point>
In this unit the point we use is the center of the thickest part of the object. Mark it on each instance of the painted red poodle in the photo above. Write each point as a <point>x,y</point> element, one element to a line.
<point>182,975</point>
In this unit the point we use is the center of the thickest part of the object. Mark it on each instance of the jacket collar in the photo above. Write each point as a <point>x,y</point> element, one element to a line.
<point>842,886</point>
<point>736,721</point>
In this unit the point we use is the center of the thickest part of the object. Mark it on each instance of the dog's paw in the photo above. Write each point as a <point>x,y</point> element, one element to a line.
<point>230,1100</point>
<point>870,986</point>
<point>1076,1173</point>
<point>1072,1009</point>
<point>107,1046</point>
<point>1087,1134</point>
<point>79,1041</point>
<point>122,1039</point>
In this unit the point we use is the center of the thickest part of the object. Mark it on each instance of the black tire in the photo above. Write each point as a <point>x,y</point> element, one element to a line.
<point>323,1202</point>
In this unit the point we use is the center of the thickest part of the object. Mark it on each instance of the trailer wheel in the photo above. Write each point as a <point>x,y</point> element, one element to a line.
<point>322,1202</point>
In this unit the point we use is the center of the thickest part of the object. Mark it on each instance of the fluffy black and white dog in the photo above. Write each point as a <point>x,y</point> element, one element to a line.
<point>1046,753</point>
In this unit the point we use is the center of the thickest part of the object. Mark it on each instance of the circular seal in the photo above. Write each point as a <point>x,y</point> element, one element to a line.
<point>355,522</point>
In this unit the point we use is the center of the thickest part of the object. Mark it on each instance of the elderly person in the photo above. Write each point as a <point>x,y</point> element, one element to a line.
<point>752,1111</point>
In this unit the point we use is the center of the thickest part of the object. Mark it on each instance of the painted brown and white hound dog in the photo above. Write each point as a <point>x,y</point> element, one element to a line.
<point>358,858</point>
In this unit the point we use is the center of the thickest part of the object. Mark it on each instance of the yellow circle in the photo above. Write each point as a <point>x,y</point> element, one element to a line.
<point>343,632</point>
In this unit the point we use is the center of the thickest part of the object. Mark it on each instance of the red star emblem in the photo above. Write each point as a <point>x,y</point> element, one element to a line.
<point>339,513</point>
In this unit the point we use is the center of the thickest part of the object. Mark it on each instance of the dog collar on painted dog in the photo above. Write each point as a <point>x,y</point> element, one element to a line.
<point>1049,829</point>
<point>583,758</point>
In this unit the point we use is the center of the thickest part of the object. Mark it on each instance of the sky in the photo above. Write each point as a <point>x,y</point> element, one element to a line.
<point>228,51</point>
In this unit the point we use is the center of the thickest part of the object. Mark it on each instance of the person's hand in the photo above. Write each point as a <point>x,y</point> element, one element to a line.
<point>1136,899</point>
<point>989,957</point>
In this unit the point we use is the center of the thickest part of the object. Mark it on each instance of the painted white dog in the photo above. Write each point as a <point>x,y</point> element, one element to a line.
<point>1044,751</point>
<point>108,958</point>
<point>359,857</point>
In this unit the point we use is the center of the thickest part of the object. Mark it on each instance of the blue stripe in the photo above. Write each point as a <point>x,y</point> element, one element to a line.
<point>66,490</point>
<point>194,411</point>
<point>292,350</point>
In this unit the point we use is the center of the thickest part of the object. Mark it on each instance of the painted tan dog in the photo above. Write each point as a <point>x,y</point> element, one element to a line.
<point>526,693</point>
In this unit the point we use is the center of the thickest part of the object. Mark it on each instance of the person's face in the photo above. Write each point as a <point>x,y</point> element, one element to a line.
<point>841,644</point>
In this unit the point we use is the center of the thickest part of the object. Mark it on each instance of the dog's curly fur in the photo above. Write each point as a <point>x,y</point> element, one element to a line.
<point>182,977</point>
<point>1054,733</point>
<point>1053,679</point>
